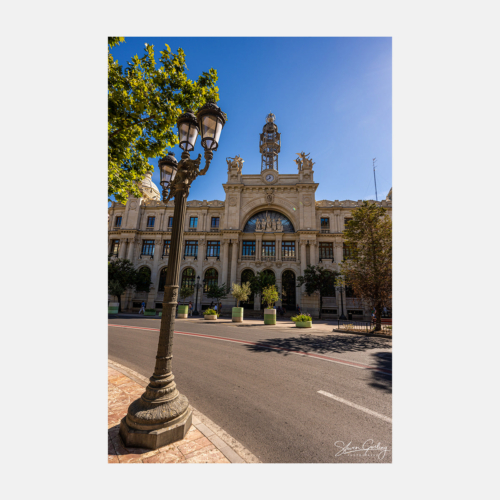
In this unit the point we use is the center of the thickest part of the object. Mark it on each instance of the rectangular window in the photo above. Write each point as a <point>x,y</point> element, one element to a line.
<point>248,248</point>
<point>325,222</point>
<point>213,249</point>
<point>166,248</point>
<point>170,221</point>
<point>325,250</point>
<point>193,222</point>
<point>215,222</point>
<point>191,249</point>
<point>151,221</point>
<point>346,220</point>
<point>268,249</point>
<point>288,249</point>
<point>114,247</point>
<point>118,221</point>
<point>148,247</point>
<point>347,252</point>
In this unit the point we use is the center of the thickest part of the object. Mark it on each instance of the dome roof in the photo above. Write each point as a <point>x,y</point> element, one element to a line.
<point>149,189</point>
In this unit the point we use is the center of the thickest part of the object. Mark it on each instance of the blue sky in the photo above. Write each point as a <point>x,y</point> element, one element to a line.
<point>332,98</point>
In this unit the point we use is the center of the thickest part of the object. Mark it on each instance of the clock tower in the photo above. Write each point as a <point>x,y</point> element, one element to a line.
<point>270,144</point>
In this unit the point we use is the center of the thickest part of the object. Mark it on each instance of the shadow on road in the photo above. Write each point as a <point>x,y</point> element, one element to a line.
<point>321,345</point>
<point>380,380</point>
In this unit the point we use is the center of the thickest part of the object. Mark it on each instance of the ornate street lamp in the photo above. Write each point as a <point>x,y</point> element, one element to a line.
<point>162,414</point>
<point>197,286</point>
<point>340,289</point>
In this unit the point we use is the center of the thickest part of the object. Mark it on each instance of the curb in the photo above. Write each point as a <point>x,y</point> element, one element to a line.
<point>364,334</point>
<point>233,450</point>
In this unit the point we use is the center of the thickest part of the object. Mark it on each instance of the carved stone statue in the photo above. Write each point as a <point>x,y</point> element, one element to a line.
<point>274,224</point>
<point>268,222</point>
<point>258,225</point>
<point>235,163</point>
<point>279,225</point>
<point>303,162</point>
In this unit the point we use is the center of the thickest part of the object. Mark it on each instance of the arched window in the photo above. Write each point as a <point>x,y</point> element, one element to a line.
<point>211,278</point>
<point>163,280</point>
<point>288,289</point>
<point>268,222</point>
<point>145,279</point>
<point>188,277</point>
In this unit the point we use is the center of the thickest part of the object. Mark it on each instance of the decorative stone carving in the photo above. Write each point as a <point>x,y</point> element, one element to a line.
<point>234,165</point>
<point>133,205</point>
<point>307,201</point>
<point>269,195</point>
<point>233,201</point>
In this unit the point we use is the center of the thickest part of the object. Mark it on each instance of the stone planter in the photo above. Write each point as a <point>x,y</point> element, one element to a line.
<point>210,317</point>
<point>237,314</point>
<point>159,314</point>
<point>269,316</point>
<point>149,313</point>
<point>182,312</point>
<point>113,307</point>
<point>304,324</point>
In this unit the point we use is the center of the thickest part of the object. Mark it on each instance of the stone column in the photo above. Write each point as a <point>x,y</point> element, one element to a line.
<point>303,262</point>
<point>313,253</point>
<point>337,251</point>
<point>121,250</point>
<point>278,246</point>
<point>130,253</point>
<point>258,247</point>
<point>234,261</point>
<point>224,257</point>
<point>202,253</point>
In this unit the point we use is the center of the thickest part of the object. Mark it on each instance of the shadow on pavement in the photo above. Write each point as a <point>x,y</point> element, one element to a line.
<point>382,381</point>
<point>321,345</point>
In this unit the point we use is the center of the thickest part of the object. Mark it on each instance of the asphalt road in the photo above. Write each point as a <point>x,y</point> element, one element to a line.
<point>268,399</point>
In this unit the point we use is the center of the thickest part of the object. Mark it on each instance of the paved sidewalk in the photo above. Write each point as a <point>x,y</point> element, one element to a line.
<point>205,442</point>
<point>318,326</point>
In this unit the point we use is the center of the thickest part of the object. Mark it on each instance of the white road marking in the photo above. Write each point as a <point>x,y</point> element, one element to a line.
<point>354,405</point>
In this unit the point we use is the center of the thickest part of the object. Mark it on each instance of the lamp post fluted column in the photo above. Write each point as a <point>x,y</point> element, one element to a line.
<point>162,414</point>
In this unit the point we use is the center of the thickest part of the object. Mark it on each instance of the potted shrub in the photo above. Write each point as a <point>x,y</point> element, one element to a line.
<point>113,307</point>
<point>210,314</point>
<point>302,321</point>
<point>149,312</point>
<point>239,292</point>
<point>270,296</point>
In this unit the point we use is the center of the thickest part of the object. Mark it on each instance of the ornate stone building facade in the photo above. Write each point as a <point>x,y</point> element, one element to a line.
<point>268,222</point>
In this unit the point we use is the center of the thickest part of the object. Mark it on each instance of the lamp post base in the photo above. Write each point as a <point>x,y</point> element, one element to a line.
<point>159,436</point>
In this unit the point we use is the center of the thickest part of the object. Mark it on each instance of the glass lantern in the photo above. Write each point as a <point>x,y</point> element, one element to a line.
<point>210,120</point>
<point>187,126</point>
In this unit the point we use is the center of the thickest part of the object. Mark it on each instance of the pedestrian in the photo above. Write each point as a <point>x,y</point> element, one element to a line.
<point>220,308</point>
<point>190,309</point>
<point>215,307</point>
<point>298,308</point>
<point>143,308</point>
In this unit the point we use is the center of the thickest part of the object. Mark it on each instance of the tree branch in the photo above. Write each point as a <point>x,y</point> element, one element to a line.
<point>132,124</point>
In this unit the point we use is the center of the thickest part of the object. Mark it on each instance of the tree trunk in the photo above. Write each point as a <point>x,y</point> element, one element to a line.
<point>378,317</point>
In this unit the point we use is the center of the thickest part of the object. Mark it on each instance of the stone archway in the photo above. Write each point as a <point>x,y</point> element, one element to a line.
<point>289,290</point>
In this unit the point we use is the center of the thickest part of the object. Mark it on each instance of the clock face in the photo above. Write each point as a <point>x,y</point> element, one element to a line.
<point>269,177</point>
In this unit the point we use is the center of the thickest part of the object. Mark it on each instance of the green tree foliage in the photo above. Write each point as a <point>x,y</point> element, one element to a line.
<point>240,292</point>
<point>369,268</point>
<point>144,101</point>
<point>260,281</point>
<point>318,279</point>
<point>122,277</point>
<point>185,292</point>
<point>217,292</point>
<point>270,295</point>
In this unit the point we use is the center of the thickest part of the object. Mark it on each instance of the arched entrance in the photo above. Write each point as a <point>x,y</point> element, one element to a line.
<point>289,299</point>
<point>247,275</point>
<point>163,280</point>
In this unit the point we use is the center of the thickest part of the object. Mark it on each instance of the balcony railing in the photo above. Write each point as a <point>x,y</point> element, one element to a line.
<point>325,230</point>
<point>169,229</point>
<point>214,230</point>
<point>268,258</point>
<point>248,257</point>
<point>146,255</point>
<point>190,255</point>
<point>192,229</point>
<point>288,259</point>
